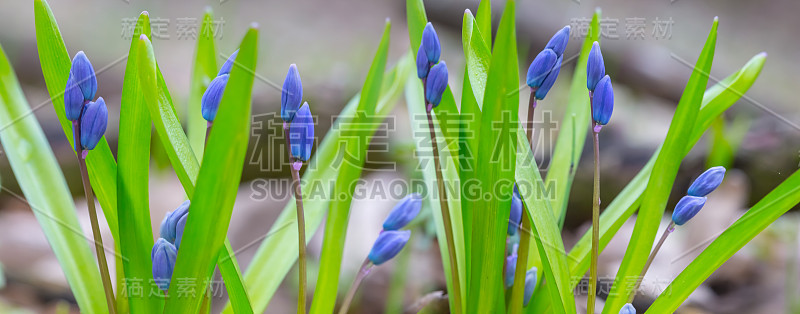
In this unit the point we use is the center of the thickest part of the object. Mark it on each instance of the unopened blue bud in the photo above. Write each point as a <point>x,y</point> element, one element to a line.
<point>549,81</point>
<point>301,134</point>
<point>511,268</point>
<point>388,244</point>
<point>73,100</point>
<point>228,65</point>
<point>530,285</point>
<point>707,182</point>
<point>170,222</point>
<point>163,256</point>
<point>540,67</point>
<point>559,41</point>
<point>84,76</point>
<point>603,101</point>
<point>595,67</point>
<point>436,84</point>
<point>430,43</point>
<point>627,309</point>
<point>516,214</point>
<point>179,231</point>
<point>404,212</point>
<point>93,123</point>
<point>209,104</point>
<point>291,94</point>
<point>686,208</point>
<point>423,66</point>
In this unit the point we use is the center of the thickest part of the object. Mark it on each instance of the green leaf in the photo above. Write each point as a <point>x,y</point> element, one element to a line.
<point>420,133</point>
<point>133,154</point>
<point>484,19</point>
<point>716,99</point>
<point>545,229</point>
<point>496,154</point>
<point>655,196</point>
<point>761,215</point>
<point>41,180</point>
<point>177,147</point>
<point>203,71</point>
<point>278,252</point>
<point>56,63</point>
<point>574,125</point>
<point>217,182</point>
<point>349,172</point>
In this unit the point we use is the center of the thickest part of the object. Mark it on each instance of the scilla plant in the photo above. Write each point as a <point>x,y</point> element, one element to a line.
<point>480,142</point>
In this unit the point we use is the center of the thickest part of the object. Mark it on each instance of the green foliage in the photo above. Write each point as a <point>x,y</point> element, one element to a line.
<point>203,71</point>
<point>37,172</point>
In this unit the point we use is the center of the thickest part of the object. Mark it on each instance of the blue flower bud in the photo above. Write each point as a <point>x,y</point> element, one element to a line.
<point>170,222</point>
<point>404,212</point>
<point>559,41</point>
<point>686,208</point>
<point>301,134</point>
<point>511,268</point>
<point>83,75</point>
<point>707,182</point>
<point>291,94</point>
<point>530,284</point>
<point>179,231</point>
<point>548,82</point>
<point>595,67</point>
<point>228,65</point>
<point>209,104</point>
<point>430,43</point>
<point>73,100</point>
<point>627,309</point>
<point>436,84</point>
<point>540,67</point>
<point>603,101</point>
<point>388,244</point>
<point>423,66</point>
<point>93,123</point>
<point>163,255</point>
<point>516,214</point>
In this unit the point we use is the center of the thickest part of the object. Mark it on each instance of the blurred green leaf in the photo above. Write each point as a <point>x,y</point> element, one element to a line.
<point>133,155</point>
<point>755,220</point>
<point>217,181</point>
<point>655,196</point>
<point>41,180</point>
<point>496,154</point>
<point>203,71</point>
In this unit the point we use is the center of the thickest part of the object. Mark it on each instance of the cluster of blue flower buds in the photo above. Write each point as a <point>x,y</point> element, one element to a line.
<point>511,269</point>
<point>430,70</point>
<point>166,247</point>
<point>544,69</point>
<point>515,218</point>
<point>695,199</point>
<point>599,85</point>
<point>88,117</point>
<point>209,104</point>
<point>627,309</point>
<point>297,119</point>
<point>392,240</point>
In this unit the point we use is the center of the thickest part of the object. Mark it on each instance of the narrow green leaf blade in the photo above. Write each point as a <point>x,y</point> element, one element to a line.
<point>203,71</point>
<point>663,176</point>
<point>41,180</point>
<point>217,181</point>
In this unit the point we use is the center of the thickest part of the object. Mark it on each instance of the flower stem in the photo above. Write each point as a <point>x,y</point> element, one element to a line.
<point>670,228</point>
<point>301,225</point>
<point>448,227</point>
<point>98,239</point>
<point>366,267</point>
<point>595,220</point>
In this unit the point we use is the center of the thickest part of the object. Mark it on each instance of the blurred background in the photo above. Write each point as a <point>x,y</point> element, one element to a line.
<point>649,48</point>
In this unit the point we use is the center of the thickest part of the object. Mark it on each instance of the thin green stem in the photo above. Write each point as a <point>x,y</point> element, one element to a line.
<point>301,225</point>
<point>595,221</point>
<point>98,239</point>
<point>448,226</point>
<point>366,267</point>
<point>670,228</point>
